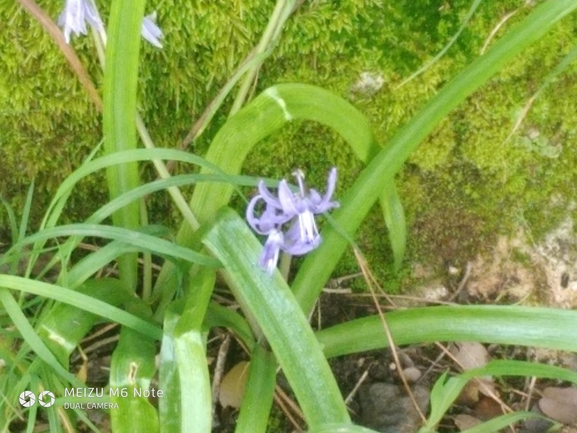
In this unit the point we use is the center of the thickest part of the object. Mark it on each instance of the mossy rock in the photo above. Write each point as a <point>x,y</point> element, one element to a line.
<point>466,172</point>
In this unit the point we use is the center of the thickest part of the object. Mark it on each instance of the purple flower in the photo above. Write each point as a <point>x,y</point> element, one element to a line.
<point>150,31</point>
<point>75,16</point>
<point>298,210</point>
<point>79,12</point>
<point>269,257</point>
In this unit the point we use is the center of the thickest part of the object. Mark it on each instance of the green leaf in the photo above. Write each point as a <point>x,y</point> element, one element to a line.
<point>264,115</point>
<point>64,326</point>
<point>82,301</point>
<point>119,113</point>
<point>317,267</point>
<point>259,392</point>
<point>395,220</point>
<point>137,239</point>
<point>186,405</point>
<point>132,369</point>
<point>526,326</point>
<point>271,309</point>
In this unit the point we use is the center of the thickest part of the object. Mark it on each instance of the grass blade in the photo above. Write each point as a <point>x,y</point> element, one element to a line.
<point>365,191</point>
<point>82,301</point>
<point>119,113</point>
<point>271,306</point>
<point>525,326</point>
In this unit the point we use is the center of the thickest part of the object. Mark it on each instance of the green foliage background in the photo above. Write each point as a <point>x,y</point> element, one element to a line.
<point>463,186</point>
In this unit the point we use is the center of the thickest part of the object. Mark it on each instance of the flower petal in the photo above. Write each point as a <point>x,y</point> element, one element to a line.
<point>253,221</point>
<point>297,245</point>
<point>322,205</point>
<point>287,199</point>
<point>269,257</point>
<point>150,31</point>
<point>267,196</point>
<point>75,16</point>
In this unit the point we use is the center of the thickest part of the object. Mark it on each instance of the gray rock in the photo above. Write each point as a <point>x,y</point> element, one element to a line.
<point>386,408</point>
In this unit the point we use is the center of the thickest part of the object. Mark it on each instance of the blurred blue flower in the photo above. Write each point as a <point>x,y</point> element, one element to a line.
<point>150,31</point>
<point>296,210</point>
<point>269,257</point>
<point>75,16</point>
<point>77,13</point>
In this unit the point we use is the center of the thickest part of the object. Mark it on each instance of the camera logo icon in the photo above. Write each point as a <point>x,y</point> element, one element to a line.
<point>27,399</point>
<point>46,399</point>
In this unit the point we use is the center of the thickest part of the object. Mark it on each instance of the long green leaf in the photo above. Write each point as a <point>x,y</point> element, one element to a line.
<point>267,113</point>
<point>137,239</point>
<point>317,267</point>
<point>526,326</point>
<point>31,337</point>
<point>119,113</point>
<point>269,303</point>
<point>82,301</point>
<point>124,157</point>
<point>131,370</point>
<point>259,391</point>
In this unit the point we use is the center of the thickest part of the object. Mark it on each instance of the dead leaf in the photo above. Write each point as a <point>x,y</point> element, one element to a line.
<point>560,404</point>
<point>233,384</point>
<point>487,409</point>
<point>469,395</point>
<point>472,355</point>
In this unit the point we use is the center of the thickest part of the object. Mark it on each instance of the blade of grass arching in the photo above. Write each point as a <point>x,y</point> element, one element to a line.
<point>259,392</point>
<point>525,326</point>
<point>142,191</point>
<point>94,262</point>
<point>125,157</point>
<point>317,267</point>
<point>267,113</point>
<point>441,53</point>
<point>131,370</point>
<point>119,111</point>
<point>159,185</point>
<point>31,338</point>
<point>502,421</point>
<point>269,303</point>
<point>82,301</point>
<point>138,239</point>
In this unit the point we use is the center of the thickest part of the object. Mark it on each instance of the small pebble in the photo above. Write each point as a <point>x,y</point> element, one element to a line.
<point>412,374</point>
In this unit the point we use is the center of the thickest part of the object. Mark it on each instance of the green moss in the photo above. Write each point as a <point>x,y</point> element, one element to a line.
<point>465,181</point>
